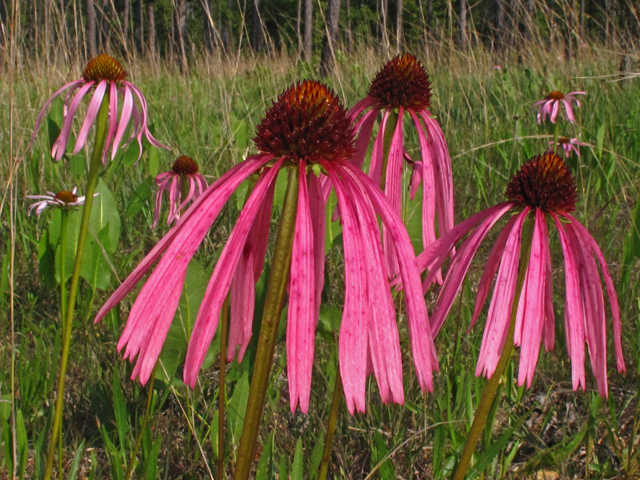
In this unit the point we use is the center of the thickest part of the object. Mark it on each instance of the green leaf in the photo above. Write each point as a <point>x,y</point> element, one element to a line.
<point>120,410</point>
<point>316,457</point>
<point>635,230</point>
<point>131,155</point>
<point>151,462</point>
<point>54,121</point>
<point>117,470</point>
<point>600,140</point>
<point>296,468</point>
<point>139,198</point>
<point>329,321</point>
<point>23,446</point>
<point>46,261</point>
<point>238,406</point>
<point>154,160</point>
<point>266,466</point>
<point>105,212</point>
<point>78,164</point>
<point>241,134</point>
<point>379,459</point>
<point>75,464</point>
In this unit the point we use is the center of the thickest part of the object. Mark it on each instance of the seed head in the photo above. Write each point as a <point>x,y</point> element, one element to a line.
<point>104,67</point>
<point>403,81</point>
<point>555,95</point>
<point>66,196</point>
<point>545,182</point>
<point>185,166</point>
<point>307,122</point>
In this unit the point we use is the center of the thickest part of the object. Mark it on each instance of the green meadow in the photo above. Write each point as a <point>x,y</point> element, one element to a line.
<point>489,120</point>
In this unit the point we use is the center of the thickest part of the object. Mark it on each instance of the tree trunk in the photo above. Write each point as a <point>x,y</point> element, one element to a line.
<point>151,22</point>
<point>349,34</point>
<point>581,20</point>
<point>308,29</point>
<point>256,26</point>
<point>298,29</point>
<point>47,29</point>
<point>463,25</point>
<point>329,43</point>
<point>105,40</point>
<point>126,12</point>
<point>180,27</point>
<point>91,29</point>
<point>399,26</point>
<point>384,10</point>
<point>138,26</point>
<point>500,28</point>
<point>208,27</point>
<point>225,29</point>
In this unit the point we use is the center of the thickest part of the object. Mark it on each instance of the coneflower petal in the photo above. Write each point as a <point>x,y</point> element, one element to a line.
<point>92,113</point>
<point>125,115</point>
<point>364,128</point>
<point>60,145</point>
<point>317,207</point>
<point>46,105</point>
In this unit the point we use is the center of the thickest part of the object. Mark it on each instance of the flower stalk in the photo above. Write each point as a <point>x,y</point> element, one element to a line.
<point>221,388</point>
<point>96,162</point>
<point>276,289</point>
<point>63,274</point>
<point>331,428</point>
<point>491,387</point>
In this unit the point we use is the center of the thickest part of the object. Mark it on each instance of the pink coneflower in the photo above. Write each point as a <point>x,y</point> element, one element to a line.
<point>551,105</point>
<point>62,199</point>
<point>183,174</point>
<point>305,129</point>
<point>569,144</point>
<point>543,190</point>
<point>403,86</point>
<point>108,77</point>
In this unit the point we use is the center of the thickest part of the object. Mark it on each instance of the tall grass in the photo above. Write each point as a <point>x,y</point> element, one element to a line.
<point>210,114</point>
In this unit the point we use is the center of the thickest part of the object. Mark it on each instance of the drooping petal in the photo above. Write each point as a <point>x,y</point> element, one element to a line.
<point>209,313</point>
<point>205,209</point>
<point>301,321</point>
<point>384,341</point>
<point>549,333</point>
<point>364,128</point>
<point>125,115</point>
<point>92,113</point>
<point>352,349</point>
<point>375,166</point>
<point>46,105</point>
<point>113,118</point>
<point>60,145</point>
<point>499,315</point>
<point>361,106</point>
<point>573,313</point>
<point>422,347</point>
<point>529,336</point>
<point>317,208</point>
<point>393,187</point>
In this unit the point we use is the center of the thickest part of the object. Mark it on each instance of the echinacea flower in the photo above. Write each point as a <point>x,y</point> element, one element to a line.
<point>62,199</point>
<point>403,86</point>
<point>542,191</point>
<point>305,129</point>
<point>569,144</point>
<point>550,106</point>
<point>184,174</point>
<point>109,79</point>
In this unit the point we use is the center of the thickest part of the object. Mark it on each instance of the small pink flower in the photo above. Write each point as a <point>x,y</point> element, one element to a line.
<point>544,191</point>
<point>568,145</point>
<point>184,169</point>
<point>306,128</point>
<point>550,106</point>
<point>403,85</point>
<point>62,199</point>
<point>108,77</point>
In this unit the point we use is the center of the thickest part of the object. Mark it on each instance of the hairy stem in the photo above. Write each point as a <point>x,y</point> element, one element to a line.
<point>331,427</point>
<point>276,289</point>
<point>92,181</point>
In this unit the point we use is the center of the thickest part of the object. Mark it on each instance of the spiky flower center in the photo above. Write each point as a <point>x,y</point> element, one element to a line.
<point>564,140</point>
<point>104,67</point>
<point>555,95</point>
<point>402,82</point>
<point>66,197</point>
<point>545,182</point>
<point>306,123</point>
<point>185,166</point>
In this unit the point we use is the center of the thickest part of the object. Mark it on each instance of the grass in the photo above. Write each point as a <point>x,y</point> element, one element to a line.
<point>489,123</point>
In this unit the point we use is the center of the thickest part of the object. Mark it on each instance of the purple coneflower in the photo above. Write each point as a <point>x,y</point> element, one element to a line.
<point>569,144</point>
<point>306,129</point>
<point>183,175</point>
<point>108,77</point>
<point>403,86</point>
<point>543,190</point>
<point>551,105</point>
<point>62,199</point>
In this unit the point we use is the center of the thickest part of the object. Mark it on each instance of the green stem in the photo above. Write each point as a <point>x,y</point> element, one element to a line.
<point>63,275</point>
<point>281,266</point>
<point>555,146</point>
<point>96,163</point>
<point>331,427</point>
<point>145,420</point>
<point>221,388</point>
<point>491,387</point>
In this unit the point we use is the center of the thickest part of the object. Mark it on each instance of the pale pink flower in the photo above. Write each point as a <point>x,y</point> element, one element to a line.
<point>550,106</point>
<point>184,169</point>
<point>403,85</point>
<point>108,77</point>
<point>542,191</point>
<point>305,128</point>
<point>569,144</point>
<point>62,199</point>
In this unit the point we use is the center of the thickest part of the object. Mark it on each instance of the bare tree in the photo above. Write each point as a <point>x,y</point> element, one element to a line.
<point>329,43</point>
<point>500,29</point>
<point>308,29</point>
<point>151,23</point>
<point>126,13</point>
<point>349,34</point>
<point>298,29</point>
<point>208,27</point>
<point>180,32</point>
<point>384,37</point>
<point>92,38</point>
<point>399,25</point>
<point>462,24</point>
<point>138,26</point>
<point>256,27</point>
